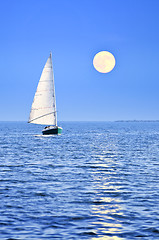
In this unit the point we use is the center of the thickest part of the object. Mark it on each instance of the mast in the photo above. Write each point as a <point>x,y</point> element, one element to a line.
<point>54,96</point>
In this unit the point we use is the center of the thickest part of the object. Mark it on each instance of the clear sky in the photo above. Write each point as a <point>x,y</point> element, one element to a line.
<point>75,30</point>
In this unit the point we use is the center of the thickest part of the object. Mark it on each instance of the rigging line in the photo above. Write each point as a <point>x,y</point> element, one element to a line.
<point>46,80</point>
<point>41,108</point>
<point>41,116</point>
<point>47,90</point>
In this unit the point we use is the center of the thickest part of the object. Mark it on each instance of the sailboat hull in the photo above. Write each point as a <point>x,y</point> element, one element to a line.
<point>52,130</point>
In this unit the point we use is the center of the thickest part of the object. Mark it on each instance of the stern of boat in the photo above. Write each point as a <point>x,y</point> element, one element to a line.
<point>52,130</point>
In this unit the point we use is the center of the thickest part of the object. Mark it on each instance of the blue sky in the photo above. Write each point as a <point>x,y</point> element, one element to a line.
<point>75,31</point>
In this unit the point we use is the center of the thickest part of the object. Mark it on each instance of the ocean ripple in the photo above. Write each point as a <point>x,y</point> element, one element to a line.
<point>95,181</point>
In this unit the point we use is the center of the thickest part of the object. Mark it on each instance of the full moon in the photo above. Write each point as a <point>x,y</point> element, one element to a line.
<point>104,62</point>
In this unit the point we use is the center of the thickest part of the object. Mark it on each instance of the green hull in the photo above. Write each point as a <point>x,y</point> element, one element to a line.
<point>59,130</point>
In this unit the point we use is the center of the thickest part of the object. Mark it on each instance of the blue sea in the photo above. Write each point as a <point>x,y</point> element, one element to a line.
<point>97,180</point>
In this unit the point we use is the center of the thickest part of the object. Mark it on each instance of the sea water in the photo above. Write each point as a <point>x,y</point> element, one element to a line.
<point>98,180</point>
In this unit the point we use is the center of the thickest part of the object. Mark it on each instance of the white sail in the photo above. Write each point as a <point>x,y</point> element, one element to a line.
<point>43,110</point>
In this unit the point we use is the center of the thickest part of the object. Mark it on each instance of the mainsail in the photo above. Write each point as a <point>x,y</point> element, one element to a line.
<point>43,110</point>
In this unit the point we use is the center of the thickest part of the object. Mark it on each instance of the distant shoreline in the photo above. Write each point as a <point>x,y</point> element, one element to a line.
<point>136,121</point>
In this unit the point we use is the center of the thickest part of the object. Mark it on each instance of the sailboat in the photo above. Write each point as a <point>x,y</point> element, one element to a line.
<point>43,110</point>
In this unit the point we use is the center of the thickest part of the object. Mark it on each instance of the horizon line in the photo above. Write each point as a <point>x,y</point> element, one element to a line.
<point>148,120</point>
